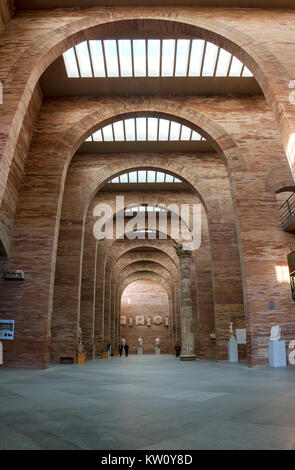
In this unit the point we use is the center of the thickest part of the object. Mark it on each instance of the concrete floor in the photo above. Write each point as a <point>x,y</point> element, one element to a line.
<point>147,402</point>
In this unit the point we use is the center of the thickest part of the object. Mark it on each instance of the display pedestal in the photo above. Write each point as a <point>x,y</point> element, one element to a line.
<point>81,358</point>
<point>188,357</point>
<point>157,351</point>
<point>105,355</point>
<point>277,354</point>
<point>140,351</point>
<point>233,350</point>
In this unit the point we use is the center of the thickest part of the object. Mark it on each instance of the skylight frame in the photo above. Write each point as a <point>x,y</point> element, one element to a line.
<point>138,178</point>
<point>194,63</point>
<point>145,129</point>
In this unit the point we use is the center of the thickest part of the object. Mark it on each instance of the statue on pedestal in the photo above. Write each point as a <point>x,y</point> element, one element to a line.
<point>140,342</point>
<point>275,333</point>
<point>231,331</point>
<point>157,342</point>
<point>80,344</point>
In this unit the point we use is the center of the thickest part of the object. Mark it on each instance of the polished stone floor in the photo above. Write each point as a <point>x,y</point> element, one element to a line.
<point>147,402</point>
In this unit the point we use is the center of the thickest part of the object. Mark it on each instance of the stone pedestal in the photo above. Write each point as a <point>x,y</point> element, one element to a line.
<point>157,350</point>
<point>277,354</point>
<point>140,351</point>
<point>233,350</point>
<point>186,311</point>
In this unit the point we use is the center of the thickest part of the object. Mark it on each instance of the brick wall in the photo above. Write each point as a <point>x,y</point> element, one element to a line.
<point>145,297</point>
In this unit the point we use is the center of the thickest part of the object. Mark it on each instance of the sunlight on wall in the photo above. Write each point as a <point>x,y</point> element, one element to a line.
<point>282,273</point>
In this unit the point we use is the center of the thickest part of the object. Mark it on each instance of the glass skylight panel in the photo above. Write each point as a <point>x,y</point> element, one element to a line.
<point>210,60</point>
<point>182,52</point>
<point>169,179</point>
<point>223,63</point>
<point>197,52</point>
<point>174,131</point>
<point>142,176</point>
<point>71,63</point>
<point>108,133</point>
<point>125,57</point>
<point>185,133</point>
<point>139,55</point>
<point>133,177</point>
<point>163,129</point>
<point>89,139</point>
<point>160,177</point>
<point>236,68</point>
<point>196,136</point>
<point>141,128</point>
<point>141,208</point>
<point>151,176</point>
<point>119,131</point>
<point>111,56</point>
<point>145,176</point>
<point>152,128</point>
<point>246,72</point>
<point>124,178</point>
<point>151,58</point>
<point>130,129</point>
<point>97,136</point>
<point>168,56</point>
<point>154,46</point>
<point>97,58</point>
<point>84,59</point>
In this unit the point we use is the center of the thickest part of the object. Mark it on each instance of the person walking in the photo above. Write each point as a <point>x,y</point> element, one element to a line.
<point>121,347</point>
<point>177,349</point>
<point>126,348</point>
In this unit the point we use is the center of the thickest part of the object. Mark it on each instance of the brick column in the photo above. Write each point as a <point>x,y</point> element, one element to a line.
<point>186,311</point>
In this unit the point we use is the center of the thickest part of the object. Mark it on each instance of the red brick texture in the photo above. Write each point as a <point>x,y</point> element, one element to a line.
<point>236,185</point>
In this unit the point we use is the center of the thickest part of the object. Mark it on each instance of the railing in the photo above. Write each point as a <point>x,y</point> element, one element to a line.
<point>287,209</point>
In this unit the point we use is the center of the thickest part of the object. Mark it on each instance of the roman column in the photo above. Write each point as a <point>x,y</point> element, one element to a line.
<point>186,311</point>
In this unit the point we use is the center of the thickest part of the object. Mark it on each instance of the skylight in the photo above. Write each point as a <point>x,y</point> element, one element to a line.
<point>151,58</point>
<point>145,176</point>
<point>131,210</point>
<point>141,129</point>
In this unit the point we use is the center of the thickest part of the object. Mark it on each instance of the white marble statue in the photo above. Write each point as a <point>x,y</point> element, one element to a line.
<point>231,331</point>
<point>157,342</point>
<point>275,333</point>
<point>80,336</point>
<point>140,342</point>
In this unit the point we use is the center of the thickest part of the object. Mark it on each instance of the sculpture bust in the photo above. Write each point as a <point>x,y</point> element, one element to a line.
<point>157,341</point>
<point>231,331</point>
<point>140,342</point>
<point>275,333</point>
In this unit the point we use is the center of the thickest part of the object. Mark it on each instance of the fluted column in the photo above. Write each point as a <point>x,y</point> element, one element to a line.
<point>186,311</point>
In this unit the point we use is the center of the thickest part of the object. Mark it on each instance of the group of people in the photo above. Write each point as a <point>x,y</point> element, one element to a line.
<point>122,347</point>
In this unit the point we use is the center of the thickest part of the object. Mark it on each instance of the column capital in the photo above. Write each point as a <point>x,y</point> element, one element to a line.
<point>181,253</point>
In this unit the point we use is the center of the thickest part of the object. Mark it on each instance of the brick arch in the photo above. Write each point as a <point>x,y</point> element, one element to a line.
<point>169,251</point>
<point>279,179</point>
<point>148,266</point>
<point>124,261</point>
<point>144,275</point>
<point>26,71</point>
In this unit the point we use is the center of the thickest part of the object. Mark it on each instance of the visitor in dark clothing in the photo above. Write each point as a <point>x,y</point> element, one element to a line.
<point>126,348</point>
